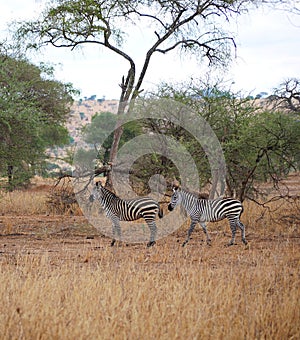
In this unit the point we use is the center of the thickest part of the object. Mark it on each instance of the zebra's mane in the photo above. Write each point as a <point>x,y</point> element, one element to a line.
<point>197,195</point>
<point>114,196</point>
<point>111,193</point>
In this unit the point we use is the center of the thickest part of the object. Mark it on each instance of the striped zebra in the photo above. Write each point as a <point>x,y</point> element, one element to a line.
<point>205,210</point>
<point>117,210</point>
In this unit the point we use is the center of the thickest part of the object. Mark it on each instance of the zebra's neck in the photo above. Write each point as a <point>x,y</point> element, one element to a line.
<point>108,196</point>
<point>188,200</point>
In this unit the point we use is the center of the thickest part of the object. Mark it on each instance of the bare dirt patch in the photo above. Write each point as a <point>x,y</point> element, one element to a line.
<point>66,235</point>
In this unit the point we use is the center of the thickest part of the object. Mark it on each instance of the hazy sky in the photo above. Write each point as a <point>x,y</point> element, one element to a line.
<point>268,52</point>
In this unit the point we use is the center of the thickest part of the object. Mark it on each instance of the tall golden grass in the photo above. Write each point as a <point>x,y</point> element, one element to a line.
<point>44,196</point>
<point>166,292</point>
<point>80,288</point>
<point>21,202</point>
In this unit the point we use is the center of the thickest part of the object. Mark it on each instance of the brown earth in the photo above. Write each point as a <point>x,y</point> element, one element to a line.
<point>61,234</point>
<point>70,237</point>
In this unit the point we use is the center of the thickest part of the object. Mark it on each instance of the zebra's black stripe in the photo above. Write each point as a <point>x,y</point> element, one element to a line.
<point>118,210</point>
<point>205,210</point>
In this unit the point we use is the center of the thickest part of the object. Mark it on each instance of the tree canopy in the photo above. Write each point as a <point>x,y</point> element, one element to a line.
<point>259,144</point>
<point>33,109</point>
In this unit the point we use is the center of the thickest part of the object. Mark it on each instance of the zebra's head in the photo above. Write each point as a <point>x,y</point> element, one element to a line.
<point>175,198</point>
<point>96,193</point>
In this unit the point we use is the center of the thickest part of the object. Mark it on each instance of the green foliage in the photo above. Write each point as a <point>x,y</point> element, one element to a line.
<point>265,149</point>
<point>100,133</point>
<point>258,145</point>
<point>33,108</point>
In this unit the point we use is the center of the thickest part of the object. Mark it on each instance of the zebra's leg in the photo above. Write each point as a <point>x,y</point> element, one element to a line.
<point>192,227</point>
<point>233,231</point>
<point>208,240</point>
<point>242,227</point>
<point>152,227</point>
<point>116,230</point>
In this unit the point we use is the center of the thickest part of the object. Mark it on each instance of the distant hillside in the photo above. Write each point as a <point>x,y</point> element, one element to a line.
<point>82,112</point>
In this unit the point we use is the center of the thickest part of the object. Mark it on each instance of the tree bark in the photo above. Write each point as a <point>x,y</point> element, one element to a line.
<point>10,177</point>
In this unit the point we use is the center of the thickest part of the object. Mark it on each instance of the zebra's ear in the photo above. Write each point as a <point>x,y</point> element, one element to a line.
<point>175,184</point>
<point>98,184</point>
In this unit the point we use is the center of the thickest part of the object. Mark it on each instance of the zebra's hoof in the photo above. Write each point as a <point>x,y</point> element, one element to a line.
<point>112,243</point>
<point>184,244</point>
<point>151,243</point>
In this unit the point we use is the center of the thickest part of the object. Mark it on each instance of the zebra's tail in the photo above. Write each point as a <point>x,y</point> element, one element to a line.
<point>160,212</point>
<point>242,209</point>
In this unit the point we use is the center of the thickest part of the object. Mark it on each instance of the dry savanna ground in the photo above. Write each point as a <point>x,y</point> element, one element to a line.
<point>60,279</point>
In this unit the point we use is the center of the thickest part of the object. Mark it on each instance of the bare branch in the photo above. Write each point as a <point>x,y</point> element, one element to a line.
<point>287,96</point>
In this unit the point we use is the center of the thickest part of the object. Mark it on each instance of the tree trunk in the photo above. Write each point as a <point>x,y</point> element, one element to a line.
<point>127,99</point>
<point>10,177</point>
<point>116,140</point>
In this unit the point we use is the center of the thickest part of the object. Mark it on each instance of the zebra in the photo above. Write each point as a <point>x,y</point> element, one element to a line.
<point>117,210</point>
<point>206,210</point>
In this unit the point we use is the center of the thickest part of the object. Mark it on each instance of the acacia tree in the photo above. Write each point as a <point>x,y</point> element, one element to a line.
<point>193,26</point>
<point>259,145</point>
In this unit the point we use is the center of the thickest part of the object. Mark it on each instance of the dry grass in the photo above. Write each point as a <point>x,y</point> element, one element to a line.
<point>21,202</point>
<point>62,280</point>
<point>162,293</point>
<point>43,197</point>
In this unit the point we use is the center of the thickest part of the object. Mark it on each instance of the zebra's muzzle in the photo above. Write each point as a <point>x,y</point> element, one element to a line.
<point>91,198</point>
<point>170,207</point>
